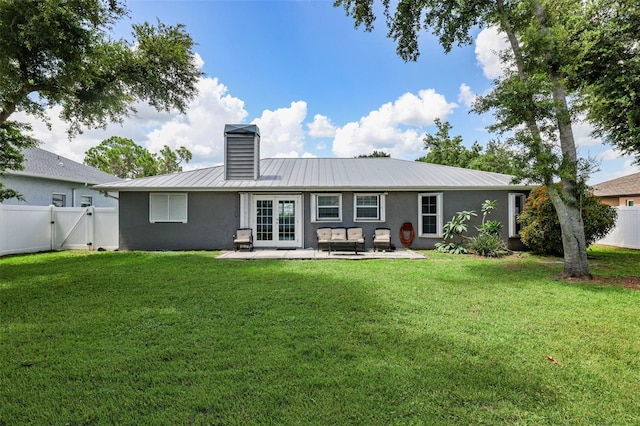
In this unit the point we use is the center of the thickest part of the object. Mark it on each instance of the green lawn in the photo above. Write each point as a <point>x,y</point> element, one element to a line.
<point>183,338</point>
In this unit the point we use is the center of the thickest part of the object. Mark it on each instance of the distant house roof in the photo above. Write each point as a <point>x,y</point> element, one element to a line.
<point>626,185</point>
<point>326,174</point>
<point>45,164</point>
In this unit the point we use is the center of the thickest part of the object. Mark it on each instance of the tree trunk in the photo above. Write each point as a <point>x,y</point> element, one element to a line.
<point>567,203</point>
<point>573,239</point>
<point>565,199</point>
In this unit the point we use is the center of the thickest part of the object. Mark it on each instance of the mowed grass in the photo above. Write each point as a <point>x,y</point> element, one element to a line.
<point>182,338</point>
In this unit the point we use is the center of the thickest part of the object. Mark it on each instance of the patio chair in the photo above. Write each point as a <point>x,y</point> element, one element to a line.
<point>243,238</point>
<point>382,239</point>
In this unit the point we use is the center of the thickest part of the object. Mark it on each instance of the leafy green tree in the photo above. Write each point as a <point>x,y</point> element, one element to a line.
<point>497,158</point>
<point>607,70</point>
<point>375,154</point>
<point>541,227</point>
<point>548,43</point>
<point>121,157</point>
<point>447,150</point>
<point>60,53</point>
<point>124,158</point>
<point>170,161</point>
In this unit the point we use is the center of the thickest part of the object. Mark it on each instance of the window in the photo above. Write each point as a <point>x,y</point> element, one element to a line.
<point>368,207</point>
<point>167,208</point>
<point>86,200</point>
<point>59,200</point>
<point>326,207</point>
<point>516,204</point>
<point>430,215</point>
<point>630,203</point>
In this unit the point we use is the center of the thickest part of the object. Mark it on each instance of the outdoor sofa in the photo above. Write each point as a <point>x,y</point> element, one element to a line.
<point>340,239</point>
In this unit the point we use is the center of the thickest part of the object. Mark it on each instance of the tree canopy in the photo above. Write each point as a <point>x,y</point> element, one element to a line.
<point>60,53</point>
<point>375,154</point>
<point>548,80</point>
<point>449,150</point>
<point>124,158</point>
<point>607,71</point>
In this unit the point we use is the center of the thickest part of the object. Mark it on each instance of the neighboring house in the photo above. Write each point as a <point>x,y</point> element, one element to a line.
<point>623,191</point>
<point>49,179</point>
<point>284,200</point>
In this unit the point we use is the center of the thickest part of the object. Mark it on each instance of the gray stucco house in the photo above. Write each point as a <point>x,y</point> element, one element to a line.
<point>49,179</point>
<point>284,200</point>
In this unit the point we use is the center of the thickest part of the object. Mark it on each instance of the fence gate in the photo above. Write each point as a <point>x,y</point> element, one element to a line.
<point>29,229</point>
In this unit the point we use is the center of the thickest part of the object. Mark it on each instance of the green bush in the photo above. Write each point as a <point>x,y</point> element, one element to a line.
<point>488,245</point>
<point>492,227</point>
<point>541,227</point>
<point>453,238</point>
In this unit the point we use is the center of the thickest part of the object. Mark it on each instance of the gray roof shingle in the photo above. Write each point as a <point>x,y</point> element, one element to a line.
<point>41,163</point>
<point>287,174</point>
<point>626,185</point>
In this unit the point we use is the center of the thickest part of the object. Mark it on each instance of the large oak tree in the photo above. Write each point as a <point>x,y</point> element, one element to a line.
<point>61,53</point>
<point>124,158</point>
<point>539,97</point>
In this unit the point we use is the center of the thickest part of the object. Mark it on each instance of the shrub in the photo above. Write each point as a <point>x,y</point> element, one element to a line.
<point>453,231</point>
<point>488,245</point>
<point>491,227</point>
<point>541,227</point>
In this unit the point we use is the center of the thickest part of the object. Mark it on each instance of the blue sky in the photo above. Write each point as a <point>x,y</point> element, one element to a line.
<point>315,86</point>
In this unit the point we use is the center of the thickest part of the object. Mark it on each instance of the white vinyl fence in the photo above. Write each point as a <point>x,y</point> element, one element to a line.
<point>627,230</point>
<point>30,229</point>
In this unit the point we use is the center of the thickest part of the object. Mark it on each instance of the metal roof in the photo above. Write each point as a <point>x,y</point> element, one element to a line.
<point>625,185</point>
<point>326,174</point>
<point>241,129</point>
<point>44,164</point>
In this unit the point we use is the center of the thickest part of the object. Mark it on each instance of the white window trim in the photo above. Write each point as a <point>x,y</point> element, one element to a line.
<point>63,196</point>
<point>381,206</point>
<point>314,207</point>
<point>439,214</point>
<point>169,196</point>
<point>512,213</point>
<point>90,197</point>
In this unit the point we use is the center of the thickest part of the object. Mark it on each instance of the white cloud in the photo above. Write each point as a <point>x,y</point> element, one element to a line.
<point>201,129</point>
<point>56,139</point>
<point>489,43</point>
<point>613,164</point>
<point>281,132</point>
<point>466,96</point>
<point>321,127</point>
<point>387,128</point>
<point>582,130</point>
<point>609,154</point>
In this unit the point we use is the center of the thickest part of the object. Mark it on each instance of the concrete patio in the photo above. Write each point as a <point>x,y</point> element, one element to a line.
<point>400,253</point>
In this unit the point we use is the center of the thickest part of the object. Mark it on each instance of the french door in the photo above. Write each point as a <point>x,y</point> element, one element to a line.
<point>277,221</point>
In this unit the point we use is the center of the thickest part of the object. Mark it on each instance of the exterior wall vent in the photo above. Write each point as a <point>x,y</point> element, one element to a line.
<point>241,152</point>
